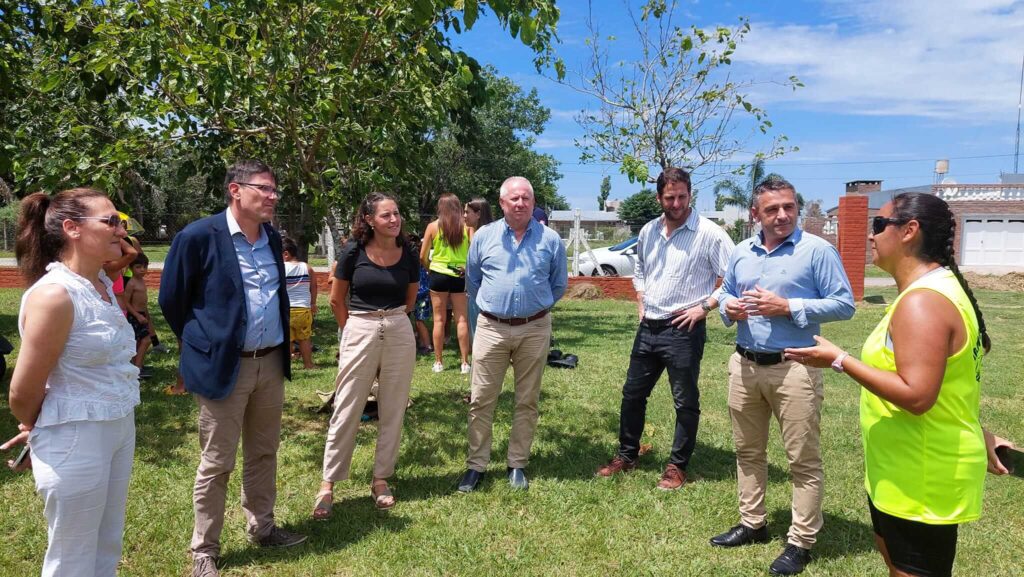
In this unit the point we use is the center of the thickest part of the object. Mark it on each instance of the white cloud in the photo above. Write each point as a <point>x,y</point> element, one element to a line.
<point>944,59</point>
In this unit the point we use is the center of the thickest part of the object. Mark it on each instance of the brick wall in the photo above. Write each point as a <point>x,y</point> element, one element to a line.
<point>613,287</point>
<point>853,223</point>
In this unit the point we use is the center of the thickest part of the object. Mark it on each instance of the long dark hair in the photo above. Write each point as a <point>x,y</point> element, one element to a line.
<point>361,231</point>
<point>449,219</point>
<point>483,208</point>
<point>41,237</point>
<point>938,230</point>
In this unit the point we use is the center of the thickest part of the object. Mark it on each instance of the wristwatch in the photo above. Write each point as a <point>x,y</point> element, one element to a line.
<point>704,306</point>
<point>837,365</point>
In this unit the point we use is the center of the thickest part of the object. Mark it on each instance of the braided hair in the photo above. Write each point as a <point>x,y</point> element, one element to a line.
<point>938,228</point>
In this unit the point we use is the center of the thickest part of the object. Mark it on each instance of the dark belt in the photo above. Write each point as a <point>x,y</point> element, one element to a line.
<point>515,321</point>
<point>763,359</point>
<point>258,353</point>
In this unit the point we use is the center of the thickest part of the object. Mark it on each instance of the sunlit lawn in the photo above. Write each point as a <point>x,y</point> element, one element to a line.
<point>569,523</point>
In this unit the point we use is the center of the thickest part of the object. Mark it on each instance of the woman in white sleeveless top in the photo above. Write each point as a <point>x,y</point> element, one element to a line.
<point>74,389</point>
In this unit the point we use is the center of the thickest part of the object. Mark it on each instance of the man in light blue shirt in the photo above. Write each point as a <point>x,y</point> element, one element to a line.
<point>516,271</point>
<point>779,287</point>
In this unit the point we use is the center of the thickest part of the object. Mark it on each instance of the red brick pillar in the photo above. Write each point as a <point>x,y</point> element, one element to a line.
<point>853,239</point>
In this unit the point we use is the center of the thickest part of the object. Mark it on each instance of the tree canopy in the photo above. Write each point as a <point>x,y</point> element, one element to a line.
<point>340,96</point>
<point>640,208</point>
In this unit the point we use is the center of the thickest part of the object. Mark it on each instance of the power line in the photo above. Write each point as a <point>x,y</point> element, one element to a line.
<point>830,163</point>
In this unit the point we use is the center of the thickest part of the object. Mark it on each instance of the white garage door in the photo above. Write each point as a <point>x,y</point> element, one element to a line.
<point>993,240</point>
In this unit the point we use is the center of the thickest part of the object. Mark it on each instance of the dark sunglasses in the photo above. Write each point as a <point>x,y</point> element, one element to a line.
<point>111,221</point>
<point>880,223</point>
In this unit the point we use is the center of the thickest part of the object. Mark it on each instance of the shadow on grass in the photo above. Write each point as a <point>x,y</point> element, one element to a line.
<point>839,537</point>
<point>358,519</point>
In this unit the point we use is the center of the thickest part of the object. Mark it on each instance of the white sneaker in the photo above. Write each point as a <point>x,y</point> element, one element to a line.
<point>466,368</point>
<point>438,367</point>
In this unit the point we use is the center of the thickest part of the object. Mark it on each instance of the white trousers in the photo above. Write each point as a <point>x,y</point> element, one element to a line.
<point>82,470</point>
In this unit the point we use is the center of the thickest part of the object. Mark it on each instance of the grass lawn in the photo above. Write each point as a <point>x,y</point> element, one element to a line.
<point>568,523</point>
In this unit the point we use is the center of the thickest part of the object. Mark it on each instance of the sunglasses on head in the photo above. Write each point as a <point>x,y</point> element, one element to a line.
<point>880,223</point>
<point>111,221</point>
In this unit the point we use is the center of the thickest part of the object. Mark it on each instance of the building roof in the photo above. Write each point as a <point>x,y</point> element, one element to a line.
<point>878,198</point>
<point>585,216</point>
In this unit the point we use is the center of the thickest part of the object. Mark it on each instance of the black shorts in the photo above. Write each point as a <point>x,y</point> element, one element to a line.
<point>442,283</point>
<point>141,329</point>
<point>914,547</point>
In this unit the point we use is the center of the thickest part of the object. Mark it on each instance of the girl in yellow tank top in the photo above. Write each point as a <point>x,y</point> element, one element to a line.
<point>444,253</point>
<point>920,369</point>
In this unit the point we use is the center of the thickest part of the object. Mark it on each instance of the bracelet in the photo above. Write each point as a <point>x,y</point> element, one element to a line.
<point>837,365</point>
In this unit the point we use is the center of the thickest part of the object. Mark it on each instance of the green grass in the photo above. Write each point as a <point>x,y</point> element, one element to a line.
<point>569,523</point>
<point>872,271</point>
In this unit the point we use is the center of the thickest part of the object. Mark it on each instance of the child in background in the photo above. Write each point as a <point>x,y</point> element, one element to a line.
<point>115,268</point>
<point>136,301</point>
<point>301,282</point>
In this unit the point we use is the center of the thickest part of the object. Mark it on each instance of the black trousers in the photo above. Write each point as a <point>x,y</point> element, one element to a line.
<point>655,349</point>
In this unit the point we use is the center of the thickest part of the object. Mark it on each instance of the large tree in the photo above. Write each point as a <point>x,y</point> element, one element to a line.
<point>677,104</point>
<point>340,96</point>
<point>473,158</point>
<point>739,191</point>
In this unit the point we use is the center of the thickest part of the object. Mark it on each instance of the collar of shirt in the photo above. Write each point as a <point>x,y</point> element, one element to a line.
<point>691,222</point>
<point>794,238</point>
<point>531,227</point>
<point>234,229</point>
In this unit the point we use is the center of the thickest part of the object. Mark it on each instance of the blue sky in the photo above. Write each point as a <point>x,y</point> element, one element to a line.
<point>890,87</point>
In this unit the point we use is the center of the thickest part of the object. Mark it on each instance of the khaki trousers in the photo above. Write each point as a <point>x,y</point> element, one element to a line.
<point>792,393</point>
<point>251,412</point>
<point>495,345</point>
<point>375,345</point>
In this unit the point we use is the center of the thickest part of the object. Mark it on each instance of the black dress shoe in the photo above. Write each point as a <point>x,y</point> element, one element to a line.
<point>740,535</point>
<point>792,561</point>
<point>517,479</point>
<point>469,481</point>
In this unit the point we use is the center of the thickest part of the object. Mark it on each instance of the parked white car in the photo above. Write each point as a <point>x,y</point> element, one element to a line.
<point>614,260</point>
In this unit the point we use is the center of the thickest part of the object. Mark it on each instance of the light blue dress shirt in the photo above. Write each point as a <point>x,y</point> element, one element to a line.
<point>516,280</point>
<point>261,283</point>
<point>805,270</point>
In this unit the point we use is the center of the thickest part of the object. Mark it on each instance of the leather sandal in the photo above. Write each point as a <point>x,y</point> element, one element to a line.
<point>383,499</point>
<point>323,505</point>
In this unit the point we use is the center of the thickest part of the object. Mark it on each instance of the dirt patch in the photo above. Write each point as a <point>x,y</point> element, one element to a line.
<point>1013,281</point>
<point>584,291</point>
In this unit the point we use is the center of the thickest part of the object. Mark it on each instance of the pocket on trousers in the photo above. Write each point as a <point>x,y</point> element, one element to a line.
<point>54,445</point>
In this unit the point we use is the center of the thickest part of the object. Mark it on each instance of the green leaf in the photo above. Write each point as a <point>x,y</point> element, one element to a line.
<point>469,13</point>
<point>50,82</point>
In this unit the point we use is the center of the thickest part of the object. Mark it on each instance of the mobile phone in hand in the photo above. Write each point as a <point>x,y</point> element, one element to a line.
<point>20,458</point>
<point>1012,459</point>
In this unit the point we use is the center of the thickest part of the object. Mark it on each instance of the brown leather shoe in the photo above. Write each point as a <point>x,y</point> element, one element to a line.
<point>672,478</point>
<point>618,465</point>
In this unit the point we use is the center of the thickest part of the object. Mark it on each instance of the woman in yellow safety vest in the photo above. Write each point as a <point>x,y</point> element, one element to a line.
<point>924,448</point>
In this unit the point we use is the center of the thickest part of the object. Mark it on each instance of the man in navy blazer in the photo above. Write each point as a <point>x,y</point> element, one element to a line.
<point>223,293</point>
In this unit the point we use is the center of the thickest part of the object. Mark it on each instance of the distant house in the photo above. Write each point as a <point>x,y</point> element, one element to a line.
<point>593,221</point>
<point>989,219</point>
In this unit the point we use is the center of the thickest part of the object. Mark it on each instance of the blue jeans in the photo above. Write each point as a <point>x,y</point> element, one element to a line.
<point>659,346</point>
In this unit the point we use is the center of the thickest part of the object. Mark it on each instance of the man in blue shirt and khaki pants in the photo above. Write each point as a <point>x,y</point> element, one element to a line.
<point>781,284</point>
<point>516,272</point>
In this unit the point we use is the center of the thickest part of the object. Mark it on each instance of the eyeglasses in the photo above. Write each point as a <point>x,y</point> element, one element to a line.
<point>264,188</point>
<point>111,221</point>
<point>880,223</point>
